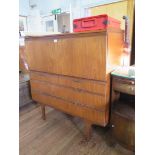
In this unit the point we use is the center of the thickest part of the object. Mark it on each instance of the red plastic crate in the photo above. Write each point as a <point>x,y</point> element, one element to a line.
<point>99,22</point>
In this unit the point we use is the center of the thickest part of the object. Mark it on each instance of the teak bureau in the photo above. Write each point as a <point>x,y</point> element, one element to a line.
<point>71,72</point>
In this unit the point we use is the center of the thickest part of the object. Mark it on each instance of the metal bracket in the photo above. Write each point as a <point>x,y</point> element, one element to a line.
<point>106,22</point>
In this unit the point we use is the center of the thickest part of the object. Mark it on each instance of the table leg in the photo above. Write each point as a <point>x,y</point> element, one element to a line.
<point>88,129</point>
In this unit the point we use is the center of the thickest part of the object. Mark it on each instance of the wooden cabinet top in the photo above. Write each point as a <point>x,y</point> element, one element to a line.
<point>73,34</point>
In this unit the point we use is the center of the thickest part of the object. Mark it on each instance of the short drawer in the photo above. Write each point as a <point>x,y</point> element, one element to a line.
<point>124,86</point>
<point>97,87</point>
<point>96,116</point>
<point>69,94</point>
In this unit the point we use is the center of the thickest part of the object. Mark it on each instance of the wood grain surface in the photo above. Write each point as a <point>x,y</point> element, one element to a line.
<point>70,72</point>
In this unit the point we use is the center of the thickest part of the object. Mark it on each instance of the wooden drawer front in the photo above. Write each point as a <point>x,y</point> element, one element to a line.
<point>81,84</point>
<point>98,117</point>
<point>123,87</point>
<point>69,56</point>
<point>70,94</point>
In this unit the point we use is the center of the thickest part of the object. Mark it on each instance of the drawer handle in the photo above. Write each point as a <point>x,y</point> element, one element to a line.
<point>79,90</point>
<point>55,40</point>
<point>76,81</point>
<point>76,103</point>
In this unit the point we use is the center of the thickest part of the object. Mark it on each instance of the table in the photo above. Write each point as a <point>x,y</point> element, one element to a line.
<point>123,108</point>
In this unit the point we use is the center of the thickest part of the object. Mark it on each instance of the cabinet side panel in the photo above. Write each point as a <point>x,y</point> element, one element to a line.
<point>115,50</point>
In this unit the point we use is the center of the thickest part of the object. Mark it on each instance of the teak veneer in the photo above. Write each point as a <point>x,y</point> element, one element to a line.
<point>71,72</point>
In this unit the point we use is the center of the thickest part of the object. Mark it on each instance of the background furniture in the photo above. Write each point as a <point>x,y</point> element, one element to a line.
<point>123,110</point>
<point>23,66</point>
<point>71,72</point>
<point>24,90</point>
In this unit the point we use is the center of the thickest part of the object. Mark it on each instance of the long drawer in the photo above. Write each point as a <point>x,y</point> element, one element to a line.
<point>92,86</point>
<point>70,94</point>
<point>99,117</point>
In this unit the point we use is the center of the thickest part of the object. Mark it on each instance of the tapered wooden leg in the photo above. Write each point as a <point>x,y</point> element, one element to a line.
<point>88,129</point>
<point>43,111</point>
<point>69,116</point>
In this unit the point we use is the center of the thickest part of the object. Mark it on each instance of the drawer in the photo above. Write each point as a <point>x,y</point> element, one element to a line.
<point>98,117</point>
<point>70,94</point>
<point>97,87</point>
<point>124,86</point>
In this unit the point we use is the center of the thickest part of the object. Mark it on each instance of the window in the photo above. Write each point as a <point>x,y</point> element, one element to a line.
<point>49,26</point>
